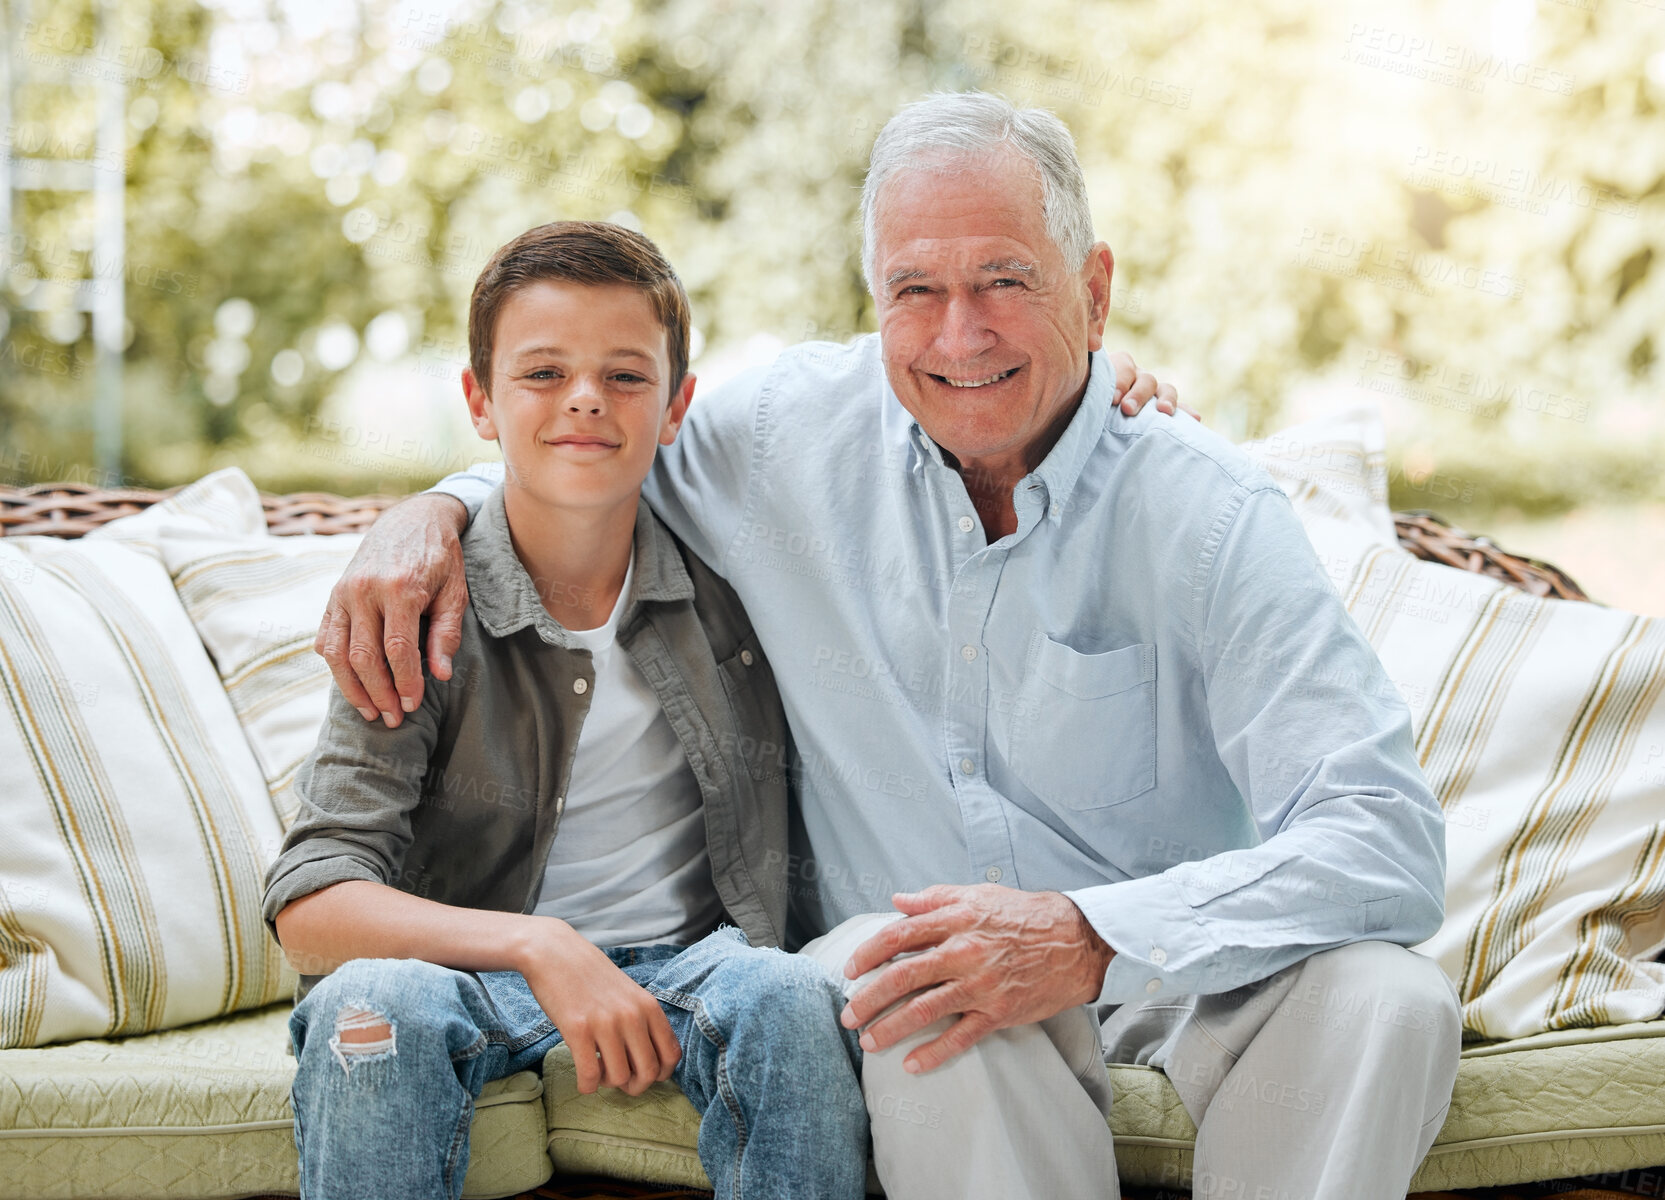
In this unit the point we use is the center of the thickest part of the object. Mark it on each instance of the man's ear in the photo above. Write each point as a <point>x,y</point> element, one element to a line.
<point>479,406</point>
<point>676,410</point>
<point>1096,273</point>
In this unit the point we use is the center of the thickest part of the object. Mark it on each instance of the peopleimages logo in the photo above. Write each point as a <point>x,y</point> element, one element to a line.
<point>1398,267</point>
<point>1451,63</point>
<point>1512,186</point>
<point>1446,386</point>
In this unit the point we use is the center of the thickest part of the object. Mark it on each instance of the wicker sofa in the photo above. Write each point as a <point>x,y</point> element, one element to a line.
<point>203,1111</point>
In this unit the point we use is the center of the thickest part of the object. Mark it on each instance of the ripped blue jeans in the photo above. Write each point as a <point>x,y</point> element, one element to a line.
<point>774,1076</point>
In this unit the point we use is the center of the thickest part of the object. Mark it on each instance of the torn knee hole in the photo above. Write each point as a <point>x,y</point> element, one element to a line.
<point>362,1033</point>
<point>358,1025</point>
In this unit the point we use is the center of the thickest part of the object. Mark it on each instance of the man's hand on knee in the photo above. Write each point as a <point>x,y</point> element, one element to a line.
<point>409,566</point>
<point>993,956</point>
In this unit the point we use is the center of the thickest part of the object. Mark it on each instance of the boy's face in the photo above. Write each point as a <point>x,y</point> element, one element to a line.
<point>577,396</point>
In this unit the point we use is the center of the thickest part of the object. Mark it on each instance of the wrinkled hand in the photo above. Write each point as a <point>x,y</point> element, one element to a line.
<point>996,956</point>
<point>409,565</point>
<point>1138,388</point>
<point>619,1035</point>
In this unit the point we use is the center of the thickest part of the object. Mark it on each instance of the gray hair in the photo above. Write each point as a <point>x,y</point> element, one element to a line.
<point>971,125</point>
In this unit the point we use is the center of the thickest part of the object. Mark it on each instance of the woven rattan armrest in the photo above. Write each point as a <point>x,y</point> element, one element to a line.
<point>72,509</point>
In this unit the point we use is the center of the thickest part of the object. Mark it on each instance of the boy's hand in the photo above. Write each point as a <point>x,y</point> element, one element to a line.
<point>1138,388</point>
<point>618,1033</point>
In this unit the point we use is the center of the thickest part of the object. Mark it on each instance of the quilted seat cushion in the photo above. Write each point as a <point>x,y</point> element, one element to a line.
<point>203,1111</point>
<point>1578,1102</point>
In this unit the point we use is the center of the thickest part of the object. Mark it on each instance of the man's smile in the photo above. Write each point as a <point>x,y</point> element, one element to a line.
<point>986,381</point>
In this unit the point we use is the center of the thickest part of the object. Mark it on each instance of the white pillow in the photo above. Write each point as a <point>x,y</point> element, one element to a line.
<point>1335,473</point>
<point>137,825</point>
<point>1541,727</point>
<point>256,601</point>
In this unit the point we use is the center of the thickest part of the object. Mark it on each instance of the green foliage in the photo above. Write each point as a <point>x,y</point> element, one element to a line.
<point>1454,211</point>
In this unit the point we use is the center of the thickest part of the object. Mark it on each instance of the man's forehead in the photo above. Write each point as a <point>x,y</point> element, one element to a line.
<point>992,214</point>
<point>1001,179</point>
<point>979,249</point>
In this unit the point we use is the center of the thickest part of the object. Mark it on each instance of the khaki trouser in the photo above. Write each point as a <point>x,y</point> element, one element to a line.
<point>1331,1078</point>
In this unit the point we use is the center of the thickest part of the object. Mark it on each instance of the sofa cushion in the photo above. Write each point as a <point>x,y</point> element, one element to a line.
<point>137,823</point>
<point>1334,471</point>
<point>256,601</point>
<point>1563,1104</point>
<point>204,1111</point>
<point>652,1138</point>
<point>1541,727</point>
<point>1580,1102</point>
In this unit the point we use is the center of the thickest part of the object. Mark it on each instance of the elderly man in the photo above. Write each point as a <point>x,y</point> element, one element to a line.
<point>1068,689</point>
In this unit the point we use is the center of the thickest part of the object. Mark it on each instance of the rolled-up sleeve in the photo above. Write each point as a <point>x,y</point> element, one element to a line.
<point>1319,744</point>
<point>471,486</point>
<point>700,484</point>
<point>357,790</point>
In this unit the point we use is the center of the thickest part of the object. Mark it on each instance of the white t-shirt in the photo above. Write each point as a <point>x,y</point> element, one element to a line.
<point>629,864</point>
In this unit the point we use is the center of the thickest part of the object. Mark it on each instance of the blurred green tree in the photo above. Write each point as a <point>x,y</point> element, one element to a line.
<point>1454,210</point>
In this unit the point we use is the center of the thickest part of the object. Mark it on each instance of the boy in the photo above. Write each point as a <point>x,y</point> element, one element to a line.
<point>529,857</point>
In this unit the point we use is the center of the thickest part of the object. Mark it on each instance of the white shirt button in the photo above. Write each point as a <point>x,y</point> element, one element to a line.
<point>993,874</point>
<point>746,657</point>
<point>580,686</point>
<point>967,524</point>
<point>1056,509</point>
<point>1158,955</point>
<point>1153,986</point>
<point>968,653</point>
<point>967,766</point>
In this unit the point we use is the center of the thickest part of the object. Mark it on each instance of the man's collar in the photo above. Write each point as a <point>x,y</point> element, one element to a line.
<point>1061,468</point>
<point>505,600</point>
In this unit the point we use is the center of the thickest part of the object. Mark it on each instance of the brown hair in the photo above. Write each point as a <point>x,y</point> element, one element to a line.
<point>591,252</point>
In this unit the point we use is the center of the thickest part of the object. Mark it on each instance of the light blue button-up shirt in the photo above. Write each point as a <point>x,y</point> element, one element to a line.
<point>1149,697</point>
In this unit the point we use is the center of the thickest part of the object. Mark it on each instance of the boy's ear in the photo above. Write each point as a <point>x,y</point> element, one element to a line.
<point>676,411</point>
<point>479,406</point>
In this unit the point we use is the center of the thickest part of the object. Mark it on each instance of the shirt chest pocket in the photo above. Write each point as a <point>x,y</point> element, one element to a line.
<point>1084,728</point>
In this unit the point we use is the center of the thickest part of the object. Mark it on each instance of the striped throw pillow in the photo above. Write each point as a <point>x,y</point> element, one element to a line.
<point>1541,727</point>
<point>136,825</point>
<point>256,601</point>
